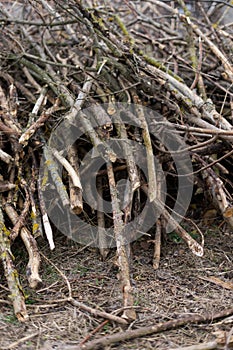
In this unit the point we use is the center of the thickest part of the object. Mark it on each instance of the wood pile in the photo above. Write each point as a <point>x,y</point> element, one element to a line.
<point>76,75</point>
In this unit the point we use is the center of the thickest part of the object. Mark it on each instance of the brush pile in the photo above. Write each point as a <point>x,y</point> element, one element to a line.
<point>114,117</point>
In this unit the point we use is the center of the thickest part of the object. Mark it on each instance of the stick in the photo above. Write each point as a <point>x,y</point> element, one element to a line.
<point>122,248</point>
<point>102,239</point>
<point>157,244</point>
<point>194,246</point>
<point>76,202</point>
<point>25,137</point>
<point>51,165</point>
<point>156,328</point>
<point>6,186</point>
<point>128,152</point>
<point>5,157</point>
<point>191,99</point>
<point>99,313</point>
<point>31,246</point>
<point>20,341</point>
<point>219,195</point>
<point>6,256</point>
<point>152,182</point>
<point>71,171</point>
<point>47,227</point>
<point>159,223</point>
<point>22,216</point>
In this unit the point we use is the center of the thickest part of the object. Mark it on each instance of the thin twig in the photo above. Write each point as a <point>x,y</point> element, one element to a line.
<point>157,328</point>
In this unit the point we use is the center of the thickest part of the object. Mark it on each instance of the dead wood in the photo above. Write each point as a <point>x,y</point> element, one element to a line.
<point>157,328</point>
<point>124,77</point>
<point>123,249</point>
<point>16,292</point>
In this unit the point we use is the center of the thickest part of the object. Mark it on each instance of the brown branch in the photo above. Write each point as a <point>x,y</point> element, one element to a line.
<point>122,247</point>
<point>31,246</point>
<point>20,341</point>
<point>45,219</point>
<point>25,137</point>
<point>98,313</point>
<point>6,256</point>
<point>8,130</point>
<point>97,329</point>
<point>76,202</point>
<point>156,328</point>
<point>195,247</point>
<point>5,157</point>
<point>21,218</point>
<point>152,181</point>
<point>102,239</point>
<point>6,186</point>
<point>218,193</point>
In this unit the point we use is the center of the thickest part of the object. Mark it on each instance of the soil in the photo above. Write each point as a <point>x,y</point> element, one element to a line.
<point>179,287</point>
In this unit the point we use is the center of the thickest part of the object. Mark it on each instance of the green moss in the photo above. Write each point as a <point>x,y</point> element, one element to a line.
<point>159,65</point>
<point>126,33</point>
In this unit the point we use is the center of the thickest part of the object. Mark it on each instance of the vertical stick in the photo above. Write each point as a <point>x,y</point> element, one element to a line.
<point>101,222</point>
<point>122,251</point>
<point>76,202</point>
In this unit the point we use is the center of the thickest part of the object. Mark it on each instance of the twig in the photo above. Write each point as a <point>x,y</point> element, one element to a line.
<point>6,186</point>
<point>25,137</point>
<point>128,152</point>
<point>194,246</point>
<point>8,130</point>
<point>20,341</point>
<point>100,145</point>
<point>35,215</point>
<point>191,99</point>
<point>33,265</point>
<point>152,181</point>
<point>217,281</point>
<point>157,244</point>
<point>122,247</point>
<point>218,193</point>
<point>61,274</point>
<point>45,219</point>
<point>51,165</point>
<point>84,92</point>
<point>98,313</point>
<point>204,346</point>
<point>11,274</point>
<point>76,202</point>
<point>226,64</point>
<point>102,239</point>
<point>157,328</point>
<point>72,173</point>
<point>160,222</point>
<point>21,219</point>
<point>97,329</point>
<point>5,157</point>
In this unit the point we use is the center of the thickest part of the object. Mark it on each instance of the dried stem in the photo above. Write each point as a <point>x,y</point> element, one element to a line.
<point>102,239</point>
<point>156,328</point>
<point>31,246</point>
<point>16,292</point>
<point>122,247</point>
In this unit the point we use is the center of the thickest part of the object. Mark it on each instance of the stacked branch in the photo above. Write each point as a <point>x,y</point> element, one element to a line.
<point>104,67</point>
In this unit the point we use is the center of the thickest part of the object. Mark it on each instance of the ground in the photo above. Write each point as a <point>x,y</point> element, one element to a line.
<point>179,287</point>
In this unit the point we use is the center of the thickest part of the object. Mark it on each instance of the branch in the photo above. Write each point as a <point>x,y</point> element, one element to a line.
<point>11,274</point>
<point>122,248</point>
<point>156,328</point>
